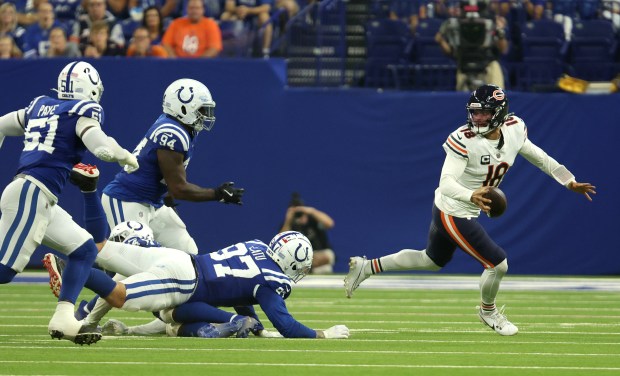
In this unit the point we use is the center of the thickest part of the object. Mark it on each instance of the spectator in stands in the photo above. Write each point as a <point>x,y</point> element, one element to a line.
<point>8,48</point>
<point>314,224</point>
<point>36,39</point>
<point>66,12</point>
<point>501,7</point>
<point>611,11</point>
<point>256,12</point>
<point>564,12</point>
<point>291,7</point>
<point>96,11</point>
<point>27,11</point>
<point>477,56</point>
<point>99,43</point>
<point>154,23</point>
<point>118,8</point>
<point>60,46</point>
<point>194,35</point>
<point>167,8</point>
<point>409,11</point>
<point>141,45</point>
<point>535,8</point>
<point>9,26</point>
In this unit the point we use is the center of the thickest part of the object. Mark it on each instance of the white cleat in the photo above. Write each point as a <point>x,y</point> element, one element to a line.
<point>498,322</point>
<point>66,327</point>
<point>357,274</point>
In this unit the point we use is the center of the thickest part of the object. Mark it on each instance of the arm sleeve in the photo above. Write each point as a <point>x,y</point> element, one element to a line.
<point>537,156</point>
<point>12,124</point>
<point>453,168</point>
<point>273,305</point>
<point>97,142</point>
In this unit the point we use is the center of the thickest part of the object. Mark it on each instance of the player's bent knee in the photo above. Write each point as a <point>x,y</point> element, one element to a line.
<point>117,297</point>
<point>167,315</point>
<point>6,274</point>
<point>501,268</point>
<point>429,264</point>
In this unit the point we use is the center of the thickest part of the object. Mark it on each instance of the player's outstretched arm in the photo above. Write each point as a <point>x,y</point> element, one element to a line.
<point>171,166</point>
<point>12,124</point>
<point>585,189</point>
<point>104,147</point>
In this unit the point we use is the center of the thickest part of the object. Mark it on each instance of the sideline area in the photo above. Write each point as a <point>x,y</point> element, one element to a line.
<point>425,282</point>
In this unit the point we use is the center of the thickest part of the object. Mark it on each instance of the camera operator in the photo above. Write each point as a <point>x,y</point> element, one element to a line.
<point>314,224</point>
<point>475,39</point>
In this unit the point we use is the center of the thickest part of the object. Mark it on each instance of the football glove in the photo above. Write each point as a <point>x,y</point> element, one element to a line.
<point>336,332</point>
<point>129,162</point>
<point>228,194</point>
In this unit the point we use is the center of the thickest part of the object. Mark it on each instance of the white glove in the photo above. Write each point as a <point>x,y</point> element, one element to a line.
<point>336,332</point>
<point>267,334</point>
<point>129,162</point>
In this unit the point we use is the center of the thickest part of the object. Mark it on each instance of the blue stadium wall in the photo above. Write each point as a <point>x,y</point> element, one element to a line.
<point>370,159</point>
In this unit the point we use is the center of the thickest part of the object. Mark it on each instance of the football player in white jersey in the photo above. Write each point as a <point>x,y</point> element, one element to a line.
<point>57,132</point>
<point>478,155</point>
<point>164,153</point>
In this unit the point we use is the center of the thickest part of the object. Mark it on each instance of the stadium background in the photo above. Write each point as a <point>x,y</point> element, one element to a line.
<point>370,158</point>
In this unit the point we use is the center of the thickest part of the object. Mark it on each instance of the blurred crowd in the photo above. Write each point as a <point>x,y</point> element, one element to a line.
<point>136,28</point>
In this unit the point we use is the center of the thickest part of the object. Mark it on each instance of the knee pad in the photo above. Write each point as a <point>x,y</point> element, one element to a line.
<point>6,274</point>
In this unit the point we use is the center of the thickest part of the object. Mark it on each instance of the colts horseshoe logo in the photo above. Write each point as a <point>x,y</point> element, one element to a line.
<point>305,253</point>
<point>191,96</point>
<point>96,80</point>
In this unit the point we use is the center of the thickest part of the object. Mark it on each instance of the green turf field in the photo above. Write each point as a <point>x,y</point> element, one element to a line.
<point>419,331</point>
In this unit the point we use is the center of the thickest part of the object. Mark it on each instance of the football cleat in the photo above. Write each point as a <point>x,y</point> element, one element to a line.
<point>55,266</point>
<point>114,328</point>
<point>356,275</point>
<point>497,321</point>
<point>73,330</point>
<point>85,177</point>
<point>244,325</point>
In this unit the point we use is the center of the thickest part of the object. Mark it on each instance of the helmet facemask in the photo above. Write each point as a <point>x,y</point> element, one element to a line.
<point>190,102</point>
<point>490,98</point>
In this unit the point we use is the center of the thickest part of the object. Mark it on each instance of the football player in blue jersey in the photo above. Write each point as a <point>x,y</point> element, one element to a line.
<point>57,132</point>
<point>187,289</point>
<point>163,154</point>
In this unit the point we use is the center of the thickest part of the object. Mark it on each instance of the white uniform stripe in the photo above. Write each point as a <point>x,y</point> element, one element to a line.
<point>76,107</point>
<point>82,110</point>
<point>284,281</point>
<point>274,273</point>
<point>461,242</point>
<point>179,134</point>
<point>34,102</point>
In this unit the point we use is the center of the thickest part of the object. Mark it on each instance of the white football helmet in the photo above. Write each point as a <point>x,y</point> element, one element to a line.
<point>131,229</point>
<point>292,251</point>
<point>190,102</point>
<point>80,80</point>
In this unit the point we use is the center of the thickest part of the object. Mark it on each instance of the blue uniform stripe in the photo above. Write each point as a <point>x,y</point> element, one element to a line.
<point>20,213</point>
<point>158,292</point>
<point>26,230</point>
<point>68,81</point>
<point>120,210</point>
<point>161,281</point>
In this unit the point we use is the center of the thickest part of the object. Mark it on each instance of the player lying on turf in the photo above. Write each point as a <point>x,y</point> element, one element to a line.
<point>187,289</point>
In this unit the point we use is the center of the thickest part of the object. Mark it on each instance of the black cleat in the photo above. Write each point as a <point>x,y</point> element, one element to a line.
<point>85,177</point>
